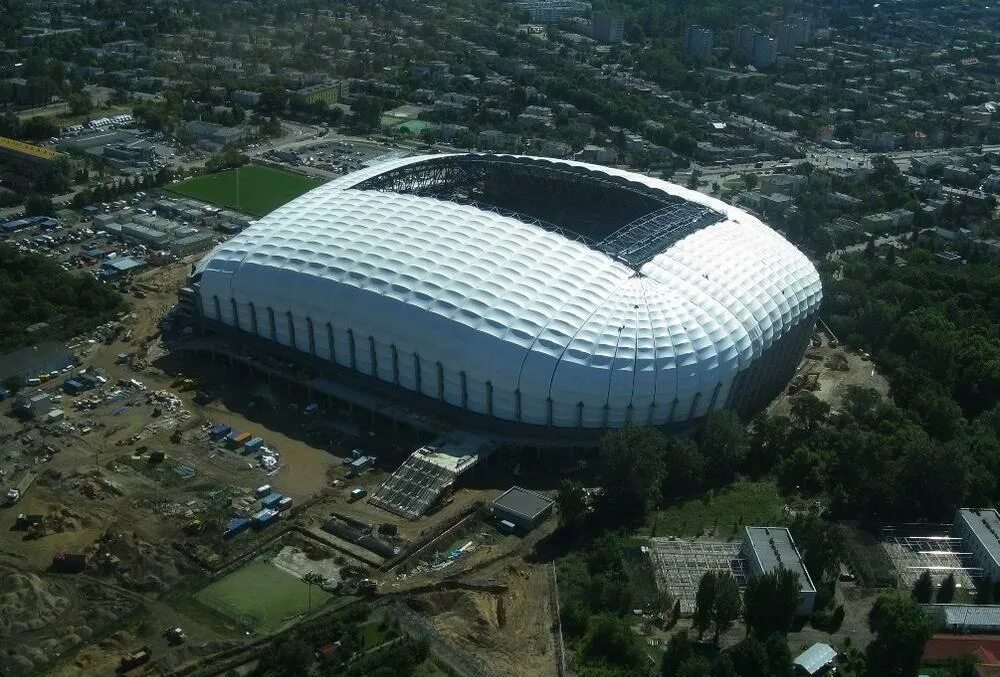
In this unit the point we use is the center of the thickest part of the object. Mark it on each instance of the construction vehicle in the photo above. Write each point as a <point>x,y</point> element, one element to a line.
<point>16,493</point>
<point>135,658</point>
<point>175,636</point>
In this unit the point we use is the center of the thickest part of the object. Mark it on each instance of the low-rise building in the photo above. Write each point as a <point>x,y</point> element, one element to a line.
<point>768,549</point>
<point>979,530</point>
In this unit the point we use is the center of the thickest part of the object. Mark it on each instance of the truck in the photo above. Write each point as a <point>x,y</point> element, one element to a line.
<point>135,659</point>
<point>17,492</point>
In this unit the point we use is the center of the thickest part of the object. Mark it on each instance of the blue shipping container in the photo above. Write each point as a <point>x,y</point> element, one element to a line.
<point>219,430</point>
<point>271,500</point>
<point>253,445</point>
<point>73,387</point>
<point>285,503</point>
<point>235,526</point>
<point>265,517</point>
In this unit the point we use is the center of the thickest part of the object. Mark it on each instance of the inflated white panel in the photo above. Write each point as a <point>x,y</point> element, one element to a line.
<point>547,320</point>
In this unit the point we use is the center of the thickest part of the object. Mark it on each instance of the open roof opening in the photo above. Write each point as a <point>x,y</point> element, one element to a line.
<point>628,221</point>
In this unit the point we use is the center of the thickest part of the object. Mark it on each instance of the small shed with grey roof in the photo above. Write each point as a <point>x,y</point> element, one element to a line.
<point>525,509</point>
<point>815,660</point>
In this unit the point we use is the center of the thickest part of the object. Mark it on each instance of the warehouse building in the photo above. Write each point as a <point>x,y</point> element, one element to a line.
<point>768,549</point>
<point>521,508</point>
<point>979,530</point>
<point>33,361</point>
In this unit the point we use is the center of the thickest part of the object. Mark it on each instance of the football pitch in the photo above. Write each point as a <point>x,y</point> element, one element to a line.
<point>251,189</point>
<point>261,596</point>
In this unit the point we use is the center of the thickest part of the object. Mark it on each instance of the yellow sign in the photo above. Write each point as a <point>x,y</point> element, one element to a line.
<point>27,149</point>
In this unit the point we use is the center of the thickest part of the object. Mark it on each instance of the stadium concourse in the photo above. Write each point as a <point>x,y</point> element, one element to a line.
<point>524,291</point>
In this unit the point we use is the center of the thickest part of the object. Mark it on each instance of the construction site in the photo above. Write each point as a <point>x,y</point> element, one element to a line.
<point>168,512</point>
<point>171,507</point>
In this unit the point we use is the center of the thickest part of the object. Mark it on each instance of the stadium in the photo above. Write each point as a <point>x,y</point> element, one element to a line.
<point>521,293</point>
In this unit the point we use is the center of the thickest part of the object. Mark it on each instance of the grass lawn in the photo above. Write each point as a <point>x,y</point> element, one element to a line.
<point>260,596</point>
<point>741,503</point>
<point>261,189</point>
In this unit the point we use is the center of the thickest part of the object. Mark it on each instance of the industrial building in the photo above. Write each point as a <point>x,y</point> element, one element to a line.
<point>521,292</point>
<point>964,618</point>
<point>33,361</point>
<point>768,549</point>
<point>521,508</point>
<point>979,530</point>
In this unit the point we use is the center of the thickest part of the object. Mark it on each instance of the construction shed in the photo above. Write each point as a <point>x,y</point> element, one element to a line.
<point>525,509</point>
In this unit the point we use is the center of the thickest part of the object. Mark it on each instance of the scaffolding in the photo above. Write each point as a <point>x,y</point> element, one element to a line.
<point>940,556</point>
<point>636,243</point>
<point>680,565</point>
<point>413,488</point>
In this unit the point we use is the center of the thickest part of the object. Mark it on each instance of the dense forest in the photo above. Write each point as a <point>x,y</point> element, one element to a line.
<point>36,289</point>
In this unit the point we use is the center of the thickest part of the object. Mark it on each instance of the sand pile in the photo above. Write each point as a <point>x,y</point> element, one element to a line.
<point>26,604</point>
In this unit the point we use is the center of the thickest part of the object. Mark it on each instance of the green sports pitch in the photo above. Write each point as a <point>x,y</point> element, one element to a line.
<point>251,189</point>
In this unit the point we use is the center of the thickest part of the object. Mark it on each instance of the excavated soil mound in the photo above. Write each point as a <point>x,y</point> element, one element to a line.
<point>27,603</point>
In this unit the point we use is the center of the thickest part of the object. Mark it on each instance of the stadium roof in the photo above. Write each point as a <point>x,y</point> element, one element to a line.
<point>669,317</point>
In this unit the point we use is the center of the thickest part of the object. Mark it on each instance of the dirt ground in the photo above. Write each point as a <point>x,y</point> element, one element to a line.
<point>827,372</point>
<point>101,496</point>
<point>510,631</point>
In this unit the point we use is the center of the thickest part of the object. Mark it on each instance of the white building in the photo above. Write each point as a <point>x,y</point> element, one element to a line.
<point>979,530</point>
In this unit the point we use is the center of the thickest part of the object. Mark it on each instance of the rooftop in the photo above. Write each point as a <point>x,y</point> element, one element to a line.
<point>34,359</point>
<point>523,502</point>
<point>985,524</point>
<point>816,657</point>
<point>775,549</point>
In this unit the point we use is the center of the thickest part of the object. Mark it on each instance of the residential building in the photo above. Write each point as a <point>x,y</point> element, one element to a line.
<point>326,92</point>
<point>698,43</point>
<point>608,28</point>
<point>765,51</point>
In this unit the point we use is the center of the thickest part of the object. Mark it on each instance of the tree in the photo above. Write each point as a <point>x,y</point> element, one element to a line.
<point>38,205</point>
<point>946,593</point>
<point>310,579</point>
<point>704,604</point>
<point>901,629</point>
<point>679,650</point>
<point>750,658</point>
<point>611,640</point>
<point>779,656</point>
<point>80,103</point>
<point>749,180</point>
<point>771,602</point>
<point>631,468</point>
<point>572,504</point>
<point>923,588</point>
<point>695,666</point>
<point>808,411</point>
<point>368,111</point>
<point>683,468</point>
<point>723,441</point>
<point>727,603</point>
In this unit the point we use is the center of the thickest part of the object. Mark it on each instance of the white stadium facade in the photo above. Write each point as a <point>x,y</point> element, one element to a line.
<point>522,292</point>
